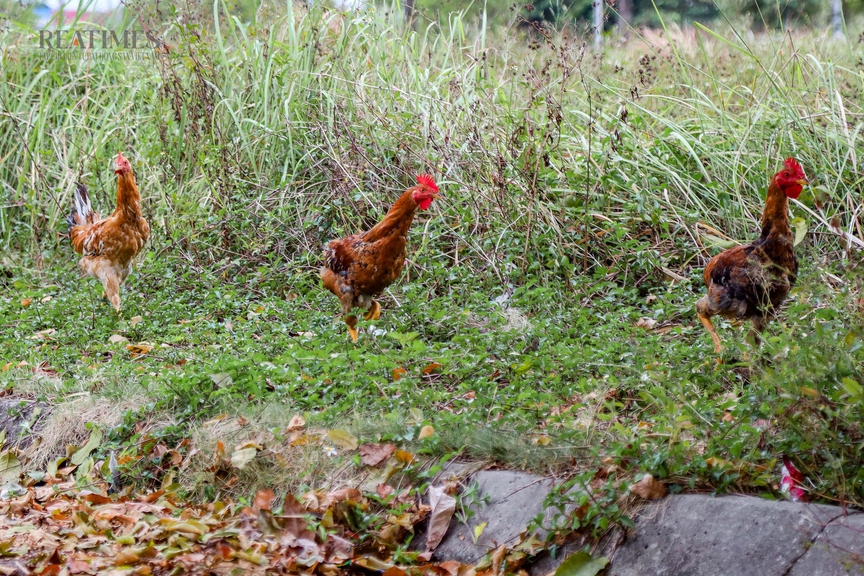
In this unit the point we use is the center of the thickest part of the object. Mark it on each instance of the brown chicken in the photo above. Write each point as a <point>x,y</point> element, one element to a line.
<point>109,245</point>
<point>750,282</point>
<point>360,266</point>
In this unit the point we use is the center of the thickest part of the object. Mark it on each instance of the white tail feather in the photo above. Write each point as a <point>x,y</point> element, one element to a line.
<point>82,201</point>
<point>82,211</point>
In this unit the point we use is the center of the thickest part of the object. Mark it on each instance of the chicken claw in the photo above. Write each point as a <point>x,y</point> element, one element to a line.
<point>351,321</point>
<point>375,312</point>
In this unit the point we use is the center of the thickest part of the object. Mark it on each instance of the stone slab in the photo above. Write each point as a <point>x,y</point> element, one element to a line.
<point>507,502</point>
<point>692,535</point>
<point>15,412</point>
<point>681,535</point>
<point>838,551</point>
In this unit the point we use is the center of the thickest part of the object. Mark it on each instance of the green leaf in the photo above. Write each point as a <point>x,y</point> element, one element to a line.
<point>416,415</point>
<point>82,474</point>
<point>52,467</point>
<point>10,467</point>
<point>800,226</point>
<point>478,530</point>
<point>852,386</point>
<point>581,564</point>
<point>523,367</point>
<point>222,379</point>
<point>712,240</point>
<point>744,51</point>
<point>81,455</point>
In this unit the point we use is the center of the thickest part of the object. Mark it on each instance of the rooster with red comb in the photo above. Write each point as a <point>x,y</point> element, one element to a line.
<point>750,282</point>
<point>108,245</point>
<point>360,266</point>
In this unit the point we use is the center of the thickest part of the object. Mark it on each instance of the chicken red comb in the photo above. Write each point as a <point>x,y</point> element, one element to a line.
<point>792,164</point>
<point>428,181</point>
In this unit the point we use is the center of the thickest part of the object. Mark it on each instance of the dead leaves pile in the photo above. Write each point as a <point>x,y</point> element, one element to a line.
<point>56,528</point>
<point>68,520</point>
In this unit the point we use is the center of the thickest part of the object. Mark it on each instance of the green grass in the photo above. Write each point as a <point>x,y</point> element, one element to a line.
<point>579,374</point>
<point>254,144</point>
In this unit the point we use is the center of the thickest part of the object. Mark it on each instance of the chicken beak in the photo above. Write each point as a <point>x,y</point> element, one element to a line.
<point>802,182</point>
<point>436,196</point>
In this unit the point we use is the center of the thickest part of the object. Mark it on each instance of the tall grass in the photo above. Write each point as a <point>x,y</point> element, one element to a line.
<point>257,142</point>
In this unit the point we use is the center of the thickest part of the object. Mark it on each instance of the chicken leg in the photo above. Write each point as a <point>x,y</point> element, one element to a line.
<point>374,311</point>
<point>760,323</point>
<point>706,322</point>
<point>704,311</point>
<point>107,273</point>
<point>351,321</point>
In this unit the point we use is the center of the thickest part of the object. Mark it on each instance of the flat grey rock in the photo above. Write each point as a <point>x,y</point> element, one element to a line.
<point>506,501</point>
<point>683,535</point>
<point>15,414</point>
<point>838,551</point>
<point>691,535</point>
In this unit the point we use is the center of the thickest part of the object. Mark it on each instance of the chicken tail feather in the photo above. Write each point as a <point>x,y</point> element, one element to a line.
<point>82,212</point>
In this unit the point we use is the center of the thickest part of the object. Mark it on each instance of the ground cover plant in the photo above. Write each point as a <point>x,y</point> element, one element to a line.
<point>545,319</point>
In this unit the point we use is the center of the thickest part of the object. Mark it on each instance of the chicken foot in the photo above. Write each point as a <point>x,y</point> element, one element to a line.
<point>373,314</point>
<point>351,321</point>
<point>374,311</point>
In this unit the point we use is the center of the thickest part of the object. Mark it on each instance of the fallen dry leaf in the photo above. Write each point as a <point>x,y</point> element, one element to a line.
<point>242,456</point>
<point>403,457</point>
<point>375,454</point>
<point>429,369</point>
<point>498,559</point>
<point>343,439</point>
<point>140,349</point>
<point>646,323</point>
<point>263,500</point>
<point>648,488</point>
<point>426,432</point>
<point>443,506</point>
<point>342,494</point>
<point>297,423</point>
<point>542,440</point>
<point>384,490</point>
